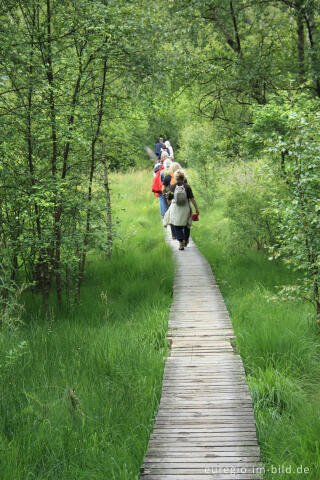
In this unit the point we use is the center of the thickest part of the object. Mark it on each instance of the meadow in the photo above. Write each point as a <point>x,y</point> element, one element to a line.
<point>80,388</point>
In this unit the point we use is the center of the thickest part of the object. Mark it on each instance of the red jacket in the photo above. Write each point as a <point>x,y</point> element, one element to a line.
<point>157,184</point>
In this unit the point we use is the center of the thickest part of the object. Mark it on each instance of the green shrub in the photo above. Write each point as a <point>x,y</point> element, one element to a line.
<point>247,189</point>
<point>201,153</point>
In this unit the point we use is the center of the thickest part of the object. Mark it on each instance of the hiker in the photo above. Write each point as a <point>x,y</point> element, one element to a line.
<point>158,166</point>
<point>169,149</point>
<point>167,178</point>
<point>158,147</point>
<point>164,153</point>
<point>157,188</point>
<point>179,213</point>
<point>166,166</point>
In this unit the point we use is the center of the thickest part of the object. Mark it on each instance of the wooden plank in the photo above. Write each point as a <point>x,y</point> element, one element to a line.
<point>218,471</point>
<point>203,475</point>
<point>198,382</point>
<point>191,461</point>
<point>203,439</point>
<point>227,444</point>
<point>220,428</point>
<point>199,476</point>
<point>223,405</point>
<point>222,374</point>
<point>185,331</point>
<point>204,413</point>
<point>194,448</point>
<point>207,439</point>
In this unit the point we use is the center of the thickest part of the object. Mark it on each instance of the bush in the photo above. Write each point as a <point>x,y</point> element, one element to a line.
<point>295,152</point>
<point>201,152</point>
<point>247,189</point>
<point>11,307</point>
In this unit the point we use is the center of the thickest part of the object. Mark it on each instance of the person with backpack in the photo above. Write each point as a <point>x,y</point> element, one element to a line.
<point>179,214</point>
<point>167,178</point>
<point>157,189</point>
<point>166,165</point>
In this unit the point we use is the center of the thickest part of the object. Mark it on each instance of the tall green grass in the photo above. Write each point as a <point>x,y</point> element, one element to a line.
<point>279,344</point>
<point>79,390</point>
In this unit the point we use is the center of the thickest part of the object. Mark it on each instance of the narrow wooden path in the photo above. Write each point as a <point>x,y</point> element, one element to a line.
<point>205,428</point>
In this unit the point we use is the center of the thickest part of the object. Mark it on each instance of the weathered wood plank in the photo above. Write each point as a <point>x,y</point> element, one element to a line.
<point>226,450</point>
<point>189,462</point>
<point>206,475</point>
<point>184,447</point>
<point>222,428</point>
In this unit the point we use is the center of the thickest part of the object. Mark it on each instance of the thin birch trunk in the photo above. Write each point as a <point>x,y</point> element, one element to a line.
<point>92,169</point>
<point>109,208</point>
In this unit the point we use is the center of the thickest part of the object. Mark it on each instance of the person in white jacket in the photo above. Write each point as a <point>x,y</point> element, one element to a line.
<point>169,149</point>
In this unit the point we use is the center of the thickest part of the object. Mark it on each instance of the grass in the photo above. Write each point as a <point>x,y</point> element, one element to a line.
<point>80,390</point>
<point>279,344</point>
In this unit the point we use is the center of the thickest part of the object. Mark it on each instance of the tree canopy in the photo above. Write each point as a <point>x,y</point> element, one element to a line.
<point>85,85</point>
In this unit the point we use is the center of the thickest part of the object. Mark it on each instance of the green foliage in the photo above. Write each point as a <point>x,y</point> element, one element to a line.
<point>275,391</point>
<point>296,148</point>
<point>247,188</point>
<point>11,303</point>
<point>200,152</point>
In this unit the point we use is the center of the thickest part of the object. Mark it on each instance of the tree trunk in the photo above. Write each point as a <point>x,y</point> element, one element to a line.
<point>235,26</point>
<point>317,297</point>
<point>39,269</point>
<point>92,169</point>
<point>56,247</point>
<point>311,28</point>
<point>109,208</point>
<point>300,32</point>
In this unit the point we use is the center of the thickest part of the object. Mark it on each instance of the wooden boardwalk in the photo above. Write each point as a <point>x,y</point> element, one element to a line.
<point>205,428</point>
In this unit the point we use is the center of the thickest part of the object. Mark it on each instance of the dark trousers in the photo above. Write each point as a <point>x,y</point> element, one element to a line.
<point>182,233</point>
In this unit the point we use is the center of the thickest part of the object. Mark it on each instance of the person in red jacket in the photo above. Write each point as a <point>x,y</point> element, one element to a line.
<point>157,190</point>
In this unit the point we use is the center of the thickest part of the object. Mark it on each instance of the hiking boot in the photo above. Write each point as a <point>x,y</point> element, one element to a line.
<point>186,242</point>
<point>181,245</point>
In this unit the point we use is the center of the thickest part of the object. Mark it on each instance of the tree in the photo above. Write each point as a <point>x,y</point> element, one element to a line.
<point>63,67</point>
<point>289,130</point>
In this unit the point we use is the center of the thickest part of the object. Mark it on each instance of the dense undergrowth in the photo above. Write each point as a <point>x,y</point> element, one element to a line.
<point>79,390</point>
<point>279,342</point>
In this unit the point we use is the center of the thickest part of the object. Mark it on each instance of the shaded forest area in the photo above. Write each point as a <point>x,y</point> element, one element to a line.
<point>85,85</point>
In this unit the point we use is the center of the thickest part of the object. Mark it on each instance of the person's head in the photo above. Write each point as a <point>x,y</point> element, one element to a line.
<point>157,167</point>
<point>174,167</point>
<point>164,155</point>
<point>167,163</point>
<point>161,139</point>
<point>163,146</point>
<point>167,143</point>
<point>179,176</point>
